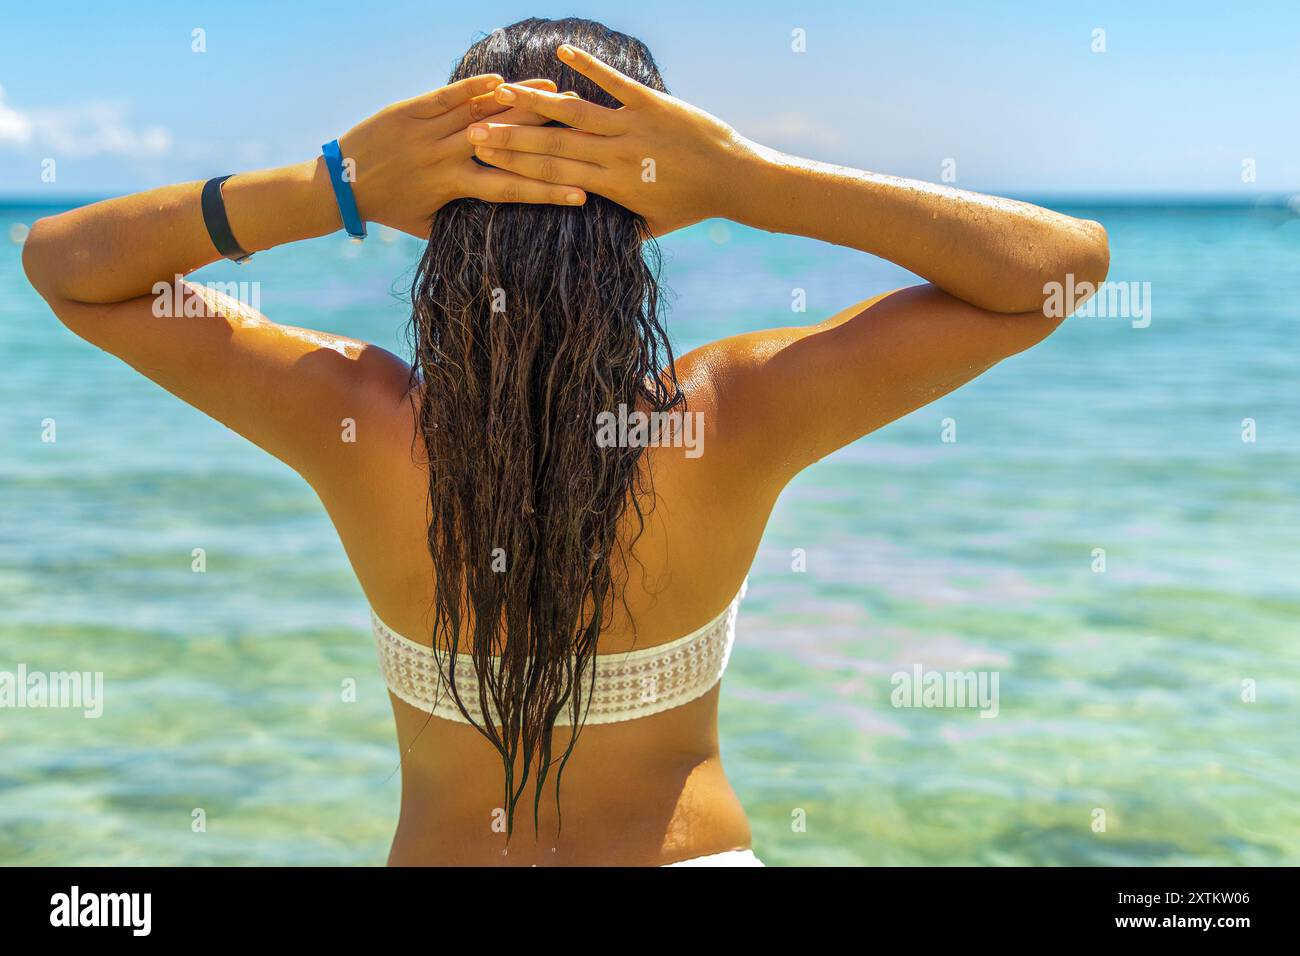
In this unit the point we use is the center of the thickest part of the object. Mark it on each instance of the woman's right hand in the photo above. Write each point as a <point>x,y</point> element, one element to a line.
<point>658,156</point>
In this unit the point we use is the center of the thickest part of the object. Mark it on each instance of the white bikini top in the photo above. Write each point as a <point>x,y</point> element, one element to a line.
<point>628,685</point>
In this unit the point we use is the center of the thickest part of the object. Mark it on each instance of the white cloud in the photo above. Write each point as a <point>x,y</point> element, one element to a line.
<point>93,128</point>
<point>14,126</point>
<point>96,128</point>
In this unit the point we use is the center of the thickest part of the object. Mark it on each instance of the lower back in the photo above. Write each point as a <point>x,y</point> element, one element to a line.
<point>641,792</point>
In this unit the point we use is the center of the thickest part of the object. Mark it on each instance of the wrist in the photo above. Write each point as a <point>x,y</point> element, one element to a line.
<point>749,169</point>
<point>314,197</point>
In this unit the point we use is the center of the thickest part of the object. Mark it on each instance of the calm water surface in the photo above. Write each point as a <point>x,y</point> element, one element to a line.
<point>1119,692</point>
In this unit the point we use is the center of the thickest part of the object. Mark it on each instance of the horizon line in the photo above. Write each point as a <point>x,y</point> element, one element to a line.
<point>1117,197</point>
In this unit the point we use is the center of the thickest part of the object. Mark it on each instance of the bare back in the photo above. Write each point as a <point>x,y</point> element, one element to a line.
<point>648,791</point>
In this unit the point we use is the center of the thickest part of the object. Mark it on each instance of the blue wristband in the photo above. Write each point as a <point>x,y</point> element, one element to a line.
<point>352,220</point>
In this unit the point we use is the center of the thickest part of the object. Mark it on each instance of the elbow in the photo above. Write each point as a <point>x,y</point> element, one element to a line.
<point>1080,273</point>
<point>1064,288</point>
<point>1090,265</point>
<point>47,260</point>
<point>1094,254</point>
<point>1073,269</point>
<point>38,257</point>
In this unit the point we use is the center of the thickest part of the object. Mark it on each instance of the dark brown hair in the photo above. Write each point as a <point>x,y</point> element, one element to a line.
<point>528,321</point>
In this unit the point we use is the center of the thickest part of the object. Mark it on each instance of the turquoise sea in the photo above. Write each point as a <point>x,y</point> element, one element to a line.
<point>1159,697</point>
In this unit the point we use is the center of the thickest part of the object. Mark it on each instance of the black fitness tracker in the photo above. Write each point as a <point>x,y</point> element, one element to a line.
<point>214,217</point>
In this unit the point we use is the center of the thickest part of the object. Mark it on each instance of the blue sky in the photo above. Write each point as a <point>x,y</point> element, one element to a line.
<point>1013,93</point>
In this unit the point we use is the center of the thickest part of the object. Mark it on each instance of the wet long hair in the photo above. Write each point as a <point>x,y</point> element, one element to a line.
<point>527,322</point>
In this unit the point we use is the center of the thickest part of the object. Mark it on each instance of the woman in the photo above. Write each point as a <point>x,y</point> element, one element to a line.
<point>583,579</point>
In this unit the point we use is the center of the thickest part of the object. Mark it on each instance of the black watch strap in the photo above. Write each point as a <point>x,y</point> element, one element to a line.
<point>214,217</point>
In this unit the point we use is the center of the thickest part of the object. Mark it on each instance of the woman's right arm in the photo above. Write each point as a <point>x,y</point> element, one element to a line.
<point>997,254</point>
<point>677,165</point>
<point>789,396</point>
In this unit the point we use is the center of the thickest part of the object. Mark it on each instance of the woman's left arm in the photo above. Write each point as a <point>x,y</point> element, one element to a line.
<point>282,388</point>
<point>118,249</point>
<point>112,273</point>
<point>407,162</point>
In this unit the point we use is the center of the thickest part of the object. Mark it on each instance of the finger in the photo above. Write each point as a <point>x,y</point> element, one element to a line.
<point>521,117</point>
<point>458,144</point>
<point>569,110</point>
<point>518,117</point>
<point>447,98</point>
<point>547,169</point>
<point>549,140</point>
<point>478,108</point>
<point>494,185</point>
<point>623,88</point>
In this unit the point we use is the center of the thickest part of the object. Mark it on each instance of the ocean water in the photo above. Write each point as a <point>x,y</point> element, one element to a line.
<point>1146,714</point>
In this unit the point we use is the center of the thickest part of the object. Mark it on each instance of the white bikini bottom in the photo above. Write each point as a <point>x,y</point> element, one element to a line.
<point>729,858</point>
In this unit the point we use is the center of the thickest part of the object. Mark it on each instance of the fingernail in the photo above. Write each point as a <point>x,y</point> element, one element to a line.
<point>486,153</point>
<point>574,198</point>
<point>566,52</point>
<point>478,134</point>
<point>505,94</point>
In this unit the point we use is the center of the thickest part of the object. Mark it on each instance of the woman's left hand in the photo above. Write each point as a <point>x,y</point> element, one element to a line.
<point>411,159</point>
